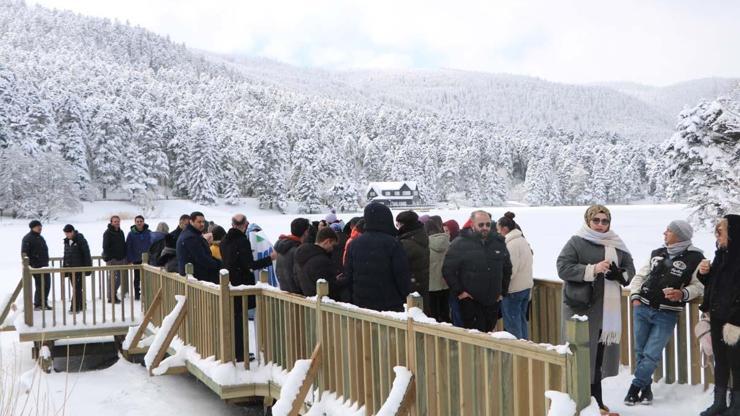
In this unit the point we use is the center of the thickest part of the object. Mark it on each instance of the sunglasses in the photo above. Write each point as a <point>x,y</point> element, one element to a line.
<point>603,221</point>
<point>484,224</point>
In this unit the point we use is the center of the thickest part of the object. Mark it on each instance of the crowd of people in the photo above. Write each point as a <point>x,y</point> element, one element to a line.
<point>470,276</point>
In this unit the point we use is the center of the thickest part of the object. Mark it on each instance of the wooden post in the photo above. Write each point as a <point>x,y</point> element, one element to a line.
<point>153,308</point>
<point>226,319</point>
<point>412,301</point>
<point>27,293</point>
<point>578,366</point>
<point>169,337</point>
<point>311,374</point>
<point>322,289</point>
<point>4,313</point>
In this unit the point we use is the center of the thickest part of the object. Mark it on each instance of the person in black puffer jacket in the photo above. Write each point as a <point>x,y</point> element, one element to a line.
<point>415,242</point>
<point>316,263</point>
<point>722,303</point>
<point>286,247</point>
<point>76,254</point>
<point>477,268</point>
<point>377,269</point>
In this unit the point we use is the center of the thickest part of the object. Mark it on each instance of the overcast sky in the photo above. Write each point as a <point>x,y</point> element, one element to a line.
<point>650,42</point>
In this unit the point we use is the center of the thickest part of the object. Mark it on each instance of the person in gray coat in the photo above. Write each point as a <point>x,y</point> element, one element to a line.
<point>594,265</point>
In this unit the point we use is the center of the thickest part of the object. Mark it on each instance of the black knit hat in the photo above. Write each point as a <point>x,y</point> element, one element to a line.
<point>407,218</point>
<point>68,228</point>
<point>34,223</point>
<point>299,226</point>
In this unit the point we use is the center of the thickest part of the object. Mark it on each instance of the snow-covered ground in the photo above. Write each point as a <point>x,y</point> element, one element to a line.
<point>126,389</point>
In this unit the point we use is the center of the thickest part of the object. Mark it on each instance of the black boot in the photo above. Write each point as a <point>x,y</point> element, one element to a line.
<point>720,403</point>
<point>734,409</point>
<point>646,395</point>
<point>596,393</point>
<point>633,396</point>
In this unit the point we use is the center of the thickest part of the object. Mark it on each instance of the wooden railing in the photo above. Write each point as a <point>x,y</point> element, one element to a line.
<point>456,371</point>
<point>682,360</point>
<point>453,368</point>
<point>97,286</point>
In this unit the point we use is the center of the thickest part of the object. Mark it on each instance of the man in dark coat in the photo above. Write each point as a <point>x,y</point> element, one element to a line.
<point>114,254</point>
<point>236,252</point>
<point>35,248</point>
<point>415,242</point>
<point>377,270</point>
<point>193,248</point>
<point>285,248</point>
<point>76,254</point>
<point>138,241</point>
<point>316,263</point>
<point>183,224</point>
<point>477,268</point>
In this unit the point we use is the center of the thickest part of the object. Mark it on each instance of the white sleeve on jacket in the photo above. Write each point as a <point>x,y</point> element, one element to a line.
<point>638,280</point>
<point>515,257</point>
<point>694,288</point>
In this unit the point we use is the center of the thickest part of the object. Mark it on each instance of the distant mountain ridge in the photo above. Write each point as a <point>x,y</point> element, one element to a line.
<point>631,110</point>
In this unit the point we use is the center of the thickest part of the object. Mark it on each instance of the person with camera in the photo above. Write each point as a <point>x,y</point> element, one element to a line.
<point>659,292</point>
<point>722,303</point>
<point>594,265</point>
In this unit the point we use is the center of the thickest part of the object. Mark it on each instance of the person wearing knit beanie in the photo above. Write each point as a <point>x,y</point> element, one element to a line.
<point>682,229</point>
<point>659,292</point>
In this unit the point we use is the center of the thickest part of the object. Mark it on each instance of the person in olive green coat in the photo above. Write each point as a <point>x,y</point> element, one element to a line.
<point>415,242</point>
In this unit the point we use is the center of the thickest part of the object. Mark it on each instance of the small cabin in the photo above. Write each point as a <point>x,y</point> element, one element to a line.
<point>394,194</point>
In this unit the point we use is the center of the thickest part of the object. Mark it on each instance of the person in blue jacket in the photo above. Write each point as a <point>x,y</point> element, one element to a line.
<point>193,248</point>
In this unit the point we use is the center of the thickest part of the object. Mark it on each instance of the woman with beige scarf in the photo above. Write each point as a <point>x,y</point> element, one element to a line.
<point>594,265</point>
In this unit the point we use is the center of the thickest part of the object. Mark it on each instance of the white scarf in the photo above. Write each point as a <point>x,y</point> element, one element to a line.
<point>611,326</point>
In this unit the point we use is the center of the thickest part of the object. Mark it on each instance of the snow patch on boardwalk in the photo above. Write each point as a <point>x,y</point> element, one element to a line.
<point>398,390</point>
<point>290,389</point>
<point>167,324</point>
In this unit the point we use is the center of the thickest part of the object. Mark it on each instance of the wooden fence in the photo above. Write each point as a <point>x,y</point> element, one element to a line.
<point>97,286</point>
<point>456,371</point>
<point>682,360</point>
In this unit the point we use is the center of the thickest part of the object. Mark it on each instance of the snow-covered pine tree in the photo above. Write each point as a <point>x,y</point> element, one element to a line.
<point>201,177</point>
<point>30,192</point>
<point>306,174</point>
<point>73,138</point>
<point>704,158</point>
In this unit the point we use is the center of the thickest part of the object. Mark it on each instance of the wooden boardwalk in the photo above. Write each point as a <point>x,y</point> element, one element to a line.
<point>353,352</point>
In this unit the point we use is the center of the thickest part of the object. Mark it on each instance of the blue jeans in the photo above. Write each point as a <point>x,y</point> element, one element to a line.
<point>514,309</point>
<point>653,329</point>
<point>455,313</point>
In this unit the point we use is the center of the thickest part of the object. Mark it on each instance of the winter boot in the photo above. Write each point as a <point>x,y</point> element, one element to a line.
<point>646,395</point>
<point>734,409</point>
<point>632,397</point>
<point>720,403</point>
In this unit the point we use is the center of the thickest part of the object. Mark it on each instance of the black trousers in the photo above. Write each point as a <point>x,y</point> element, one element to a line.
<point>137,282</point>
<point>596,386</point>
<point>39,280</point>
<point>475,315</point>
<point>726,358</point>
<point>77,302</point>
<point>439,305</point>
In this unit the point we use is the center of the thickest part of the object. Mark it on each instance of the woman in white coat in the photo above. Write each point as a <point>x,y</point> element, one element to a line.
<point>516,303</point>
